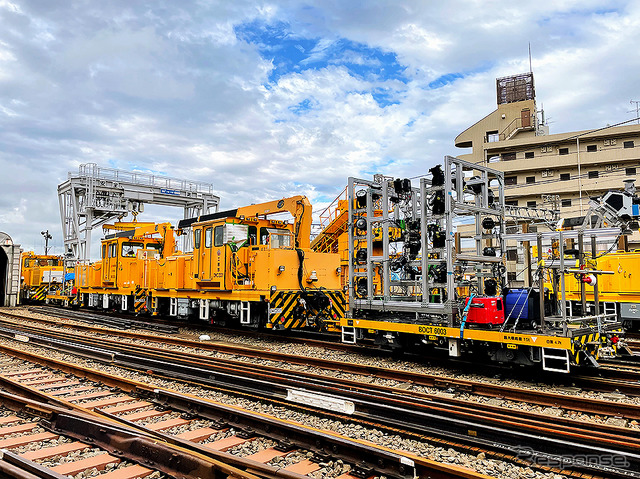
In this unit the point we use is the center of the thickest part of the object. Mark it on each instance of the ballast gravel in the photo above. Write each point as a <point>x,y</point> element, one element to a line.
<point>479,463</point>
<point>381,362</point>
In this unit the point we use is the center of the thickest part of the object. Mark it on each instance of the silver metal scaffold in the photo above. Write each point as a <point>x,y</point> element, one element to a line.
<point>95,195</point>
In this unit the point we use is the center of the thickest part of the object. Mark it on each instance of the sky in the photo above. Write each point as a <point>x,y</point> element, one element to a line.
<point>272,99</point>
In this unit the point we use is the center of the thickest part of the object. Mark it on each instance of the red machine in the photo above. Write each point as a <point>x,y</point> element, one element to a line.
<point>486,311</point>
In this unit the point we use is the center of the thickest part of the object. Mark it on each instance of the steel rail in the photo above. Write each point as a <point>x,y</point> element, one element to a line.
<point>542,398</point>
<point>423,417</point>
<point>380,460</point>
<point>117,439</point>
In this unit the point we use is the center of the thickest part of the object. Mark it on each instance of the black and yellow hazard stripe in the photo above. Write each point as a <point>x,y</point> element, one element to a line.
<point>281,307</point>
<point>39,293</point>
<point>140,299</point>
<point>338,305</point>
<point>582,343</point>
<point>283,304</point>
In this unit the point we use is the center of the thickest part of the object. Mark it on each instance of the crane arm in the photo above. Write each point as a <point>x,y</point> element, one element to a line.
<point>298,206</point>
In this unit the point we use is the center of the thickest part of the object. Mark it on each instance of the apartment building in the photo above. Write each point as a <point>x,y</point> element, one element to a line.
<point>545,170</point>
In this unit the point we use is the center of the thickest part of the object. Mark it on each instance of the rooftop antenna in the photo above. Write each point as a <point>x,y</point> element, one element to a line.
<point>530,68</point>
<point>637,109</point>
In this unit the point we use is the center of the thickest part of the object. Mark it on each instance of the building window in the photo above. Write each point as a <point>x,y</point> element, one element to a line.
<point>592,147</point>
<point>566,202</point>
<point>594,174</point>
<point>531,204</point>
<point>493,136</point>
<point>563,151</point>
<point>528,154</point>
<point>531,179</point>
<point>510,180</point>
<point>565,176</point>
<point>511,203</point>
<point>630,171</point>
<point>511,276</point>
<point>508,156</point>
<point>628,144</point>
<point>512,255</point>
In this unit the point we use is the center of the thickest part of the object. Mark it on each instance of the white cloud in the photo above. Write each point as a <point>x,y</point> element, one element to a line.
<point>175,90</point>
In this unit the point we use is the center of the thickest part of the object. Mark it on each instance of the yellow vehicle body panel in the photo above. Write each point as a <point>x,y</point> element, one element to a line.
<point>40,275</point>
<point>622,286</point>
<point>579,342</point>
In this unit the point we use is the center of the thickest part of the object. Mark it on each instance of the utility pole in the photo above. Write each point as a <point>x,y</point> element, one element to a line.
<point>637,109</point>
<point>47,237</point>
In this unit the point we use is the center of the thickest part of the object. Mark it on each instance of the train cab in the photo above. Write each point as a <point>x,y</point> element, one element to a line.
<point>40,275</point>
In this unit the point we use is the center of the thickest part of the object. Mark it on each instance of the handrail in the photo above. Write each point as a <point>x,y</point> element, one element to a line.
<point>510,128</point>
<point>331,212</point>
<point>93,171</point>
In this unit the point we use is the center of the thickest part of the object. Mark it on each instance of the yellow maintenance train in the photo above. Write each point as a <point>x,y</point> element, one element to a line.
<point>246,268</point>
<point>41,275</point>
<point>390,268</point>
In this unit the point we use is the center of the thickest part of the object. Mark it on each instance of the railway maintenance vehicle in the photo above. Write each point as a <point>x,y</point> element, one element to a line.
<point>424,287</point>
<point>40,275</point>
<point>247,268</point>
<point>396,265</point>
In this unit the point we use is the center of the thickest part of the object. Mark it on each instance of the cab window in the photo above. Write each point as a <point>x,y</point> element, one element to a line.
<point>218,236</point>
<point>113,250</point>
<point>196,238</point>
<point>27,263</point>
<point>104,250</point>
<point>129,249</point>
<point>264,236</point>
<point>207,237</point>
<point>276,237</point>
<point>253,235</point>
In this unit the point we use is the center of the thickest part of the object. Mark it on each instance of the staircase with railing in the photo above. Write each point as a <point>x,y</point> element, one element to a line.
<point>521,123</point>
<point>333,223</point>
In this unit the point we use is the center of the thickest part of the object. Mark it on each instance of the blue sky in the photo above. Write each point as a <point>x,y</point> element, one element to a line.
<point>266,100</point>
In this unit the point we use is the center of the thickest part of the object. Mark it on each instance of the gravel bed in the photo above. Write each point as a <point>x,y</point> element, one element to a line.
<point>219,436</point>
<point>190,426</point>
<point>72,457</point>
<point>252,446</point>
<point>387,363</point>
<point>154,419</point>
<point>479,463</point>
<point>36,446</point>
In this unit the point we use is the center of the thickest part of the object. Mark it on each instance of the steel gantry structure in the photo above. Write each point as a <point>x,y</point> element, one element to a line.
<point>95,195</point>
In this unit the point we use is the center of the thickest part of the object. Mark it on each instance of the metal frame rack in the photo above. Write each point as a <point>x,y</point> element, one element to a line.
<point>559,266</point>
<point>380,209</point>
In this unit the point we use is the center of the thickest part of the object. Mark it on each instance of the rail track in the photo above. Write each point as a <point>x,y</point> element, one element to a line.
<point>55,441</point>
<point>626,385</point>
<point>198,436</point>
<point>402,410</point>
<point>330,341</point>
